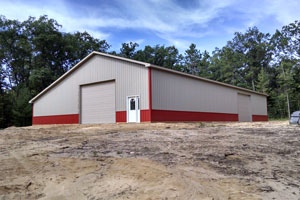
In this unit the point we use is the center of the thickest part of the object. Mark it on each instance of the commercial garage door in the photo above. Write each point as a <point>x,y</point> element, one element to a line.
<point>98,103</point>
<point>244,108</point>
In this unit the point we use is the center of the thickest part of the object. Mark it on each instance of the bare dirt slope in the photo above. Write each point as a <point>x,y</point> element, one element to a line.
<point>151,161</point>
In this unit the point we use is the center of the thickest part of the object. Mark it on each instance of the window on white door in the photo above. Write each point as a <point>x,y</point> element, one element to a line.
<point>133,109</point>
<point>132,104</point>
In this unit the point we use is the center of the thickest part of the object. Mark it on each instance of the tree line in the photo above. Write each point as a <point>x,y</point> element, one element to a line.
<point>34,53</point>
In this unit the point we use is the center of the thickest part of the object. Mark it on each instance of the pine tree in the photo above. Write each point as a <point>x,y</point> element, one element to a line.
<point>263,82</point>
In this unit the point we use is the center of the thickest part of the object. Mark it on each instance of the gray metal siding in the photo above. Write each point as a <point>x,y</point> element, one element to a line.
<point>180,93</point>
<point>98,103</point>
<point>176,92</point>
<point>63,98</point>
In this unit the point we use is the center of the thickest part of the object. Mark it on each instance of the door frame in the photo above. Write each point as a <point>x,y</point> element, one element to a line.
<point>139,109</point>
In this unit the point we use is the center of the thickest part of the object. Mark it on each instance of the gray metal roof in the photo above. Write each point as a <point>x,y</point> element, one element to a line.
<point>140,63</point>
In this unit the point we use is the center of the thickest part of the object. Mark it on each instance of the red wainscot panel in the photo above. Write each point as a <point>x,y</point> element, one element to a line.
<point>260,118</point>
<point>56,119</point>
<point>184,116</point>
<point>122,117</point>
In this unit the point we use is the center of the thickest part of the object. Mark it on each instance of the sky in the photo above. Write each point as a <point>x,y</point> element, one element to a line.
<point>207,23</point>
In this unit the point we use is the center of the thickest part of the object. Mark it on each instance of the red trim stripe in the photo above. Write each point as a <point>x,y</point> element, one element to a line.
<point>122,117</point>
<point>145,116</point>
<point>157,116</point>
<point>260,118</point>
<point>56,119</point>
<point>184,116</point>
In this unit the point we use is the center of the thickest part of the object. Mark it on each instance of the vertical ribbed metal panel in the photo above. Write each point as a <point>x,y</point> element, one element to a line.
<point>130,79</point>
<point>180,93</point>
<point>176,92</point>
<point>259,104</point>
<point>98,103</point>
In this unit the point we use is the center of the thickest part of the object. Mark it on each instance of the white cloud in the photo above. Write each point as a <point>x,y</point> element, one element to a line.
<point>285,11</point>
<point>56,10</point>
<point>179,43</point>
<point>161,17</point>
<point>176,24</point>
<point>255,11</point>
<point>168,17</point>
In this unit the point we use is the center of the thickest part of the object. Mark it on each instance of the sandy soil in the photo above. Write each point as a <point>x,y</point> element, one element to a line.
<point>151,161</point>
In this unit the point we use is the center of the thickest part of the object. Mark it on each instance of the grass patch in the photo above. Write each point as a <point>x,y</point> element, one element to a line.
<point>201,125</point>
<point>95,153</point>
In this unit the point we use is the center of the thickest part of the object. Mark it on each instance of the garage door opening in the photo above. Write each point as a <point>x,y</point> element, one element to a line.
<point>244,108</point>
<point>98,103</point>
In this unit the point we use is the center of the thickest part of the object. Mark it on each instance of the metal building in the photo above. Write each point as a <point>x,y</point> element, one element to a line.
<point>103,88</point>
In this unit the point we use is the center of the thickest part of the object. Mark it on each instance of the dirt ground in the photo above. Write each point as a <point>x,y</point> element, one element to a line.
<point>151,161</point>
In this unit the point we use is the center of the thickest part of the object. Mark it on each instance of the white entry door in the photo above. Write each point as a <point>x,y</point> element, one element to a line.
<point>133,109</point>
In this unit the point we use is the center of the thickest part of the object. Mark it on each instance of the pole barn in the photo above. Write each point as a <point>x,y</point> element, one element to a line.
<point>103,88</point>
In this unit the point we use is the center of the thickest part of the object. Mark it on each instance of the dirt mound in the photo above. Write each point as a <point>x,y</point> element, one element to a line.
<point>151,161</point>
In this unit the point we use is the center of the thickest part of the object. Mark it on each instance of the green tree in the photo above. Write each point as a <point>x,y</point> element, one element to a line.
<point>287,61</point>
<point>196,63</point>
<point>286,81</point>
<point>21,109</point>
<point>226,66</point>
<point>128,50</point>
<point>33,54</point>
<point>159,55</point>
<point>192,59</point>
<point>263,82</point>
<point>5,103</point>
<point>255,51</point>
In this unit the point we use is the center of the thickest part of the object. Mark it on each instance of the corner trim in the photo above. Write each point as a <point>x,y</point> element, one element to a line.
<point>150,93</point>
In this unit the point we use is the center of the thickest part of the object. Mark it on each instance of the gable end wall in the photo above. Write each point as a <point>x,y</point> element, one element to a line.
<point>64,98</point>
